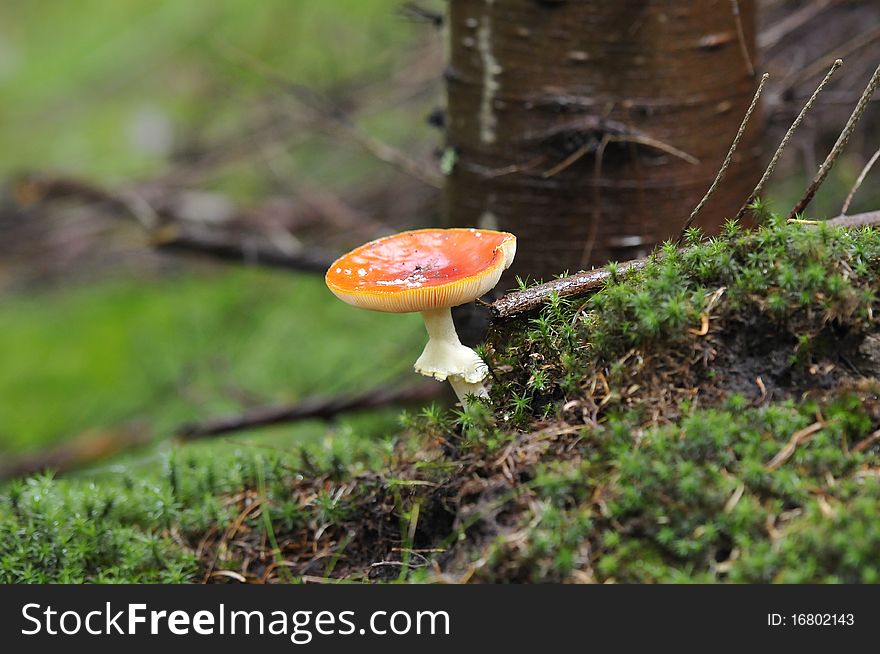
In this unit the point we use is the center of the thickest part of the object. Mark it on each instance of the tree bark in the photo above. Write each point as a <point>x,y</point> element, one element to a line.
<point>574,124</point>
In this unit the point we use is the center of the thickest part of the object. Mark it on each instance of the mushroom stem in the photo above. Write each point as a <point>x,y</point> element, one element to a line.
<point>444,357</point>
<point>463,389</point>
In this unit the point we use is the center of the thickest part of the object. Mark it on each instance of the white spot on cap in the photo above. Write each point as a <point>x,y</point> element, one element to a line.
<point>413,281</point>
<point>362,272</point>
<point>338,270</point>
<point>347,271</point>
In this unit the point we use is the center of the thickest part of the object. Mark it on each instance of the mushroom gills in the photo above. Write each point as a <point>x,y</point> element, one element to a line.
<point>444,357</point>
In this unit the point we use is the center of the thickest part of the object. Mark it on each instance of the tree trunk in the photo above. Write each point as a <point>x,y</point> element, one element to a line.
<point>576,124</point>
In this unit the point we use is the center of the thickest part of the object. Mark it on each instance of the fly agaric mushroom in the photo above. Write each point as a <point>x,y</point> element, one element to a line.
<point>430,271</point>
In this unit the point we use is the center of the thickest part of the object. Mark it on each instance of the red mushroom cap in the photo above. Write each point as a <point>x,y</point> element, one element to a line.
<point>422,269</point>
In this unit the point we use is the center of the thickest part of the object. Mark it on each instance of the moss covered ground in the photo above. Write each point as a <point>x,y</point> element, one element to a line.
<point>711,418</point>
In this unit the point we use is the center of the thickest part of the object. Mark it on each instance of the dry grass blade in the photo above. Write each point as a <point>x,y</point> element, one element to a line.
<point>796,439</point>
<point>231,574</point>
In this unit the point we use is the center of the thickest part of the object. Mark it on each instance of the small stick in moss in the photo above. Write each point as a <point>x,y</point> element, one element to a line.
<point>785,139</point>
<point>727,159</point>
<point>839,146</point>
<point>796,439</point>
<point>534,297</point>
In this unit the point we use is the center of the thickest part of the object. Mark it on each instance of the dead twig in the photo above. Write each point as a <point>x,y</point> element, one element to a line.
<point>639,139</point>
<point>779,31</point>
<point>245,251</point>
<point>845,50</point>
<point>865,443</point>
<point>309,408</point>
<point>839,146</point>
<point>726,164</point>
<point>859,180</point>
<point>534,297</point>
<point>867,219</point>
<point>785,139</point>
<point>741,37</point>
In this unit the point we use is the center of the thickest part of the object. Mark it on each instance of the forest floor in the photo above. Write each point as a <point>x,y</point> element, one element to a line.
<point>713,417</point>
<point>662,429</point>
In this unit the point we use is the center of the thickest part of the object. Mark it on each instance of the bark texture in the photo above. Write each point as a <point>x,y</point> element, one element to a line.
<point>574,123</point>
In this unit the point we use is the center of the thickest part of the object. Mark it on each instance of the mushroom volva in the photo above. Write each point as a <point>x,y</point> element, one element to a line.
<point>430,271</point>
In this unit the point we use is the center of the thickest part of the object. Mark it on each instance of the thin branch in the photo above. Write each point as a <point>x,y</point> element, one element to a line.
<point>245,251</point>
<point>276,250</point>
<point>867,219</point>
<point>640,139</point>
<point>741,37</point>
<point>727,159</point>
<point>534,297</point>
<point>785,139</point>
<point>323,408</point>
<point>417,13</point>
<point>326,112</point>
<point>854,45</point>
<point>839,146</point>
<point>587,252</point>
<point>792,22</point>
<point>859,180</point>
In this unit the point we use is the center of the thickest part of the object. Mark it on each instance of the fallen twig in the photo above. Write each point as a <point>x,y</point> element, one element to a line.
<point>785,139</point>
<point>839,146</point>
<point>530,299</point>
<point>726,164</point>
<point>311,407</point>
<point>534,297</point>
<point>246,251</point>
<point>867,219</point>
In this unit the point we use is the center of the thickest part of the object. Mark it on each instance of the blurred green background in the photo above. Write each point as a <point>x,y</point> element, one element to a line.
<point>81,82</point>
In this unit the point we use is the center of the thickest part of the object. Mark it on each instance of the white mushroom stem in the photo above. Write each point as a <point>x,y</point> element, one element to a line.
<point>444,357</point>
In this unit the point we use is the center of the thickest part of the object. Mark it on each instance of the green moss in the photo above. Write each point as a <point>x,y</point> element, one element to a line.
<point>672,475</point>
<point>698,501</point>
<point>662,430</point>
